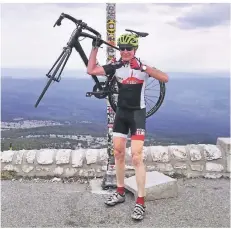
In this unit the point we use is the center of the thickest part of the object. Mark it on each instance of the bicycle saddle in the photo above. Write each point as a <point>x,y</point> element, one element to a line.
<point>140,34</point>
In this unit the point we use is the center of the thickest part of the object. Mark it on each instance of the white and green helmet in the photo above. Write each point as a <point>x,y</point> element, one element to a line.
<point>128,39</point>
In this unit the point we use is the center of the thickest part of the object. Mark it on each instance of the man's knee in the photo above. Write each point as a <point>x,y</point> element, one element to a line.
<point>137,158</point>
<point>119,154</point>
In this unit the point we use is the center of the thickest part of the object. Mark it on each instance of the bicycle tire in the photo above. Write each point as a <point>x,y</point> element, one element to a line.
<point>151,111</point>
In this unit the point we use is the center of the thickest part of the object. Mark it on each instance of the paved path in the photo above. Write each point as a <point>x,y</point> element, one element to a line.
<point>201,203</point>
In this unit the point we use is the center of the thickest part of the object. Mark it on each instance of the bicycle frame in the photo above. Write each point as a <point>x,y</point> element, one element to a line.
<point>67,50</point>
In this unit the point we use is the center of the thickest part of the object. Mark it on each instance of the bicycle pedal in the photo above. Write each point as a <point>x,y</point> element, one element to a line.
<point>88,94</point>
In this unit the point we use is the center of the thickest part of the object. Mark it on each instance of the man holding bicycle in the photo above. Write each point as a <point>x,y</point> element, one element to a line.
<point>132,75</point>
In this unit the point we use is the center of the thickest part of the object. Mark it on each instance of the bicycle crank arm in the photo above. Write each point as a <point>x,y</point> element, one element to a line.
<point>97,94</point>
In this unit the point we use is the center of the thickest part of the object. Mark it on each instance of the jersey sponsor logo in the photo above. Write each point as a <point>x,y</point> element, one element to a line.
<point>132,80</point>
<point>139,135</point>
<point>140,132</point>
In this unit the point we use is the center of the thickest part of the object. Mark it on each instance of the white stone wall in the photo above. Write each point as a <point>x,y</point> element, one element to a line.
<point>210,161</point>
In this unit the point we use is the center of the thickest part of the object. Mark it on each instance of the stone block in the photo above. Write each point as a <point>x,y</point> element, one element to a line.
<point>91,156</point>
<point>159,153</point>
<point>19,157</point>
<point>63,156</point>
<point>27,168</point>
<point>58,171</point>
<point>77,157</point>
<point>211,152</point>
<point>178,152</point>
<point>180,166</point>
<point>45,156</point>
<point>7,156</point>
<point>30,156</point>
<point>158,186</point>
<point>197,167</point>
<point>69,172</point>
<point>194,152</point>
<point>224,145</point>
<point>214,167</point>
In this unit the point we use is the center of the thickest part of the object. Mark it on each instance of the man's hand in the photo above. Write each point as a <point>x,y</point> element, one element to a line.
<point>96,43</point>
<point>135,64</point>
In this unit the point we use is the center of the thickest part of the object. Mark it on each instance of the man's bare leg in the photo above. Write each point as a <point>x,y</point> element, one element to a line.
<point>119,154</point>
<point>137,161</point>
<point>140,172</point>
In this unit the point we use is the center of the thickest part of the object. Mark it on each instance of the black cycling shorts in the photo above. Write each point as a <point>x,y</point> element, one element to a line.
<point>133,120</point>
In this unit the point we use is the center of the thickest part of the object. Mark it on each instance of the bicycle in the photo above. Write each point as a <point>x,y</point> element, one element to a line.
<point>101,90</point>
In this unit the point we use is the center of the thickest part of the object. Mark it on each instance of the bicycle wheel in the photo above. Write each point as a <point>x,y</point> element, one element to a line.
<point>150,109</point>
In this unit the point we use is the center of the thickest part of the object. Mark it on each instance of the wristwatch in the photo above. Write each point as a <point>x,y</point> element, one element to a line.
<point>143,68</point>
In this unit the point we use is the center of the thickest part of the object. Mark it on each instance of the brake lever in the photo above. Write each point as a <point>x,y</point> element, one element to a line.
<point>58,22</point>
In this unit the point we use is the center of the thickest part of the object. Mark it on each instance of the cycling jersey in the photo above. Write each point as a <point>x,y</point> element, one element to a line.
<point>131,85</point>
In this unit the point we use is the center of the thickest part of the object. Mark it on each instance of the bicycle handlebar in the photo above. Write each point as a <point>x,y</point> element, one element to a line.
<point>78,22</point>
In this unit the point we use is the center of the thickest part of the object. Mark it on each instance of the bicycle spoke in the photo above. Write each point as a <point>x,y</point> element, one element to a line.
<point>148,104</point>
<point>151,83</point>
<point>150,99</point>
<point>153,96</point>
<point>150,89</point>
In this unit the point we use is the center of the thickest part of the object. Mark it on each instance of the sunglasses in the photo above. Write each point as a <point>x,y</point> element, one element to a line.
<point>128,48</point>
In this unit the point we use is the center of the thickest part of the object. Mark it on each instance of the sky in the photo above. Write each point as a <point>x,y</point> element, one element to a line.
<point>182,37</point>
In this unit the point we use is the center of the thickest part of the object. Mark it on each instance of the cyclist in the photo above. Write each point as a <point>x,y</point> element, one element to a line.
<point>132,74</point>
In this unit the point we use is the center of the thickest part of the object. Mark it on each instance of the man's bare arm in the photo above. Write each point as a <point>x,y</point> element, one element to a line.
<point>157,74</point>
<point>92,68</point>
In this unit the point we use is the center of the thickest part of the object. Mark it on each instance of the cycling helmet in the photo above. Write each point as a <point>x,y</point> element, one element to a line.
<point>128,39</point>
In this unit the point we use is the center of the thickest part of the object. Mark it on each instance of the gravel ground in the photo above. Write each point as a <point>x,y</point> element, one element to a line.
<point>200,203</point>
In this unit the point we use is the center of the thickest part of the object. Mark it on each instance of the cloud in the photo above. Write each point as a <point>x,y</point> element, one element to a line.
<point>29,39</point>
<point>204,16</point>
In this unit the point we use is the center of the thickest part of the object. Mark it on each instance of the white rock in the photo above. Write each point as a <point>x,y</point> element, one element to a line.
<point>77,157</point>
<point>194,151</point>
<point>7,156</point>
<point>19,157</point>
<point>45,156</point>
<point>11,168</point>
<point>159,153</point>
<point>27,168</point>
<point>211,152</point>
<point>63,156</point>
<point>197,167</point>
<point>178,152</point>
<point>214,167</point>
<point>58,171</point>
<point>91,156</point>
<point>30,156</point>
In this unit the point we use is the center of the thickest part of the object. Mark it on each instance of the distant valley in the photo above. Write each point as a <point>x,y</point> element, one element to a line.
<point>195,110</point>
